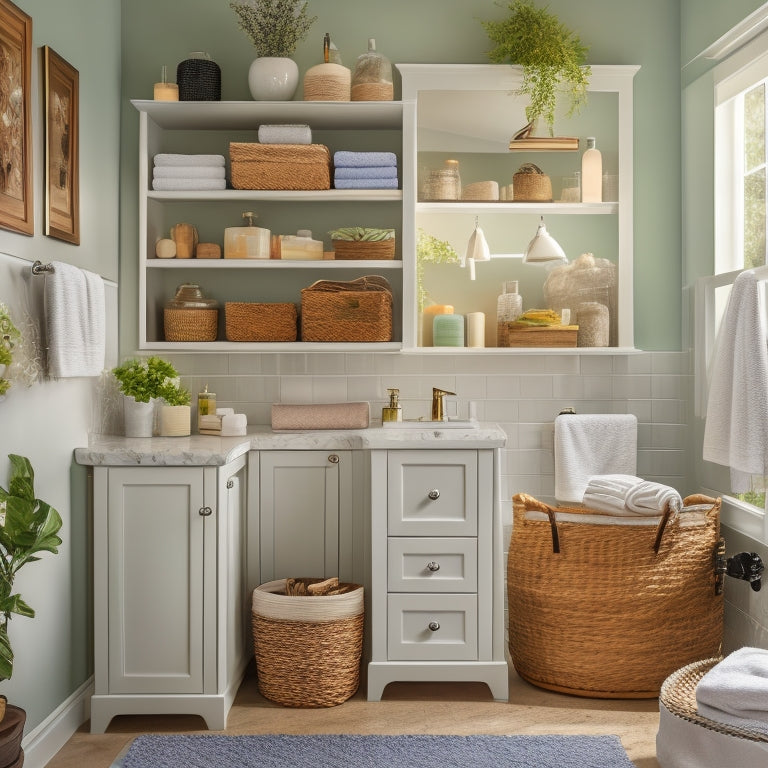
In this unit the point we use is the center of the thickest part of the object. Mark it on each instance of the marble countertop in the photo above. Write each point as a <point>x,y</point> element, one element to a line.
<point>209,450</point>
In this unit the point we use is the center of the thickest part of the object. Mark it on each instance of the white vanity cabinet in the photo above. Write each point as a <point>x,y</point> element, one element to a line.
<point>170,594</point>
<point>437,608</point>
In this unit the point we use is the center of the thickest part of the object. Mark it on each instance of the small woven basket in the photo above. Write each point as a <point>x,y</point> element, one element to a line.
<point>355,311</point>
<point>307,649</point>
<point>246,321</point>
<point>190,324</point>
<point>531,184</point>
<point>364,249</point>
<point>606,615</point>
<point>280,166</point>
<point>199,79</point>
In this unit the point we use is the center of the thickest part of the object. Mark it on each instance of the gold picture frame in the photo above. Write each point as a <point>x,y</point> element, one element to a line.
<point>61,103</point>
<point>16,207</point>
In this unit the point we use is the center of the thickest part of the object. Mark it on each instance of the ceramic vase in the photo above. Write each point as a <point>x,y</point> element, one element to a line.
<point>273,78</point>
<point>175,420</point>
<point>138,418</point>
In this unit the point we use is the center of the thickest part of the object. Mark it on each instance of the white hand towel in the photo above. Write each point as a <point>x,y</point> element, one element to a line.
<point>169,185</point>
<point>196,160</point>
<point>650,498</point>
<point>736,430</point>
<point>735,691</point>
<point>285,134</point>
<point>188,172</point>
<point>592,444</point>
<point>234,424</point>
<point>75,315</point>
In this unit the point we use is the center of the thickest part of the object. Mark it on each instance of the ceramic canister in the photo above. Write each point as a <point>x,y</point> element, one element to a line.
<point>448,331</point>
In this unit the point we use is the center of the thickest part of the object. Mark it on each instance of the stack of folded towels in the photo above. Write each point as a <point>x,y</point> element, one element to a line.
<point>365,170</point>
<point>629,495</point>
<point>735,691</point>
<point>188,172</point>
<point>282,133</point>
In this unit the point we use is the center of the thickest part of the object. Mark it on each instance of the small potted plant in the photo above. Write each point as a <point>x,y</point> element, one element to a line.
<point>275,28</point>
<point>552,58</point>
<point>145,382</point>
<point>28,527</point>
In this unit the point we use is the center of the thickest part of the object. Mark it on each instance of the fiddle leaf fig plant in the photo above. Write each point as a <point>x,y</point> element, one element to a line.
<point>152,377</point>
<point>552,58</point>
<point>28,526</point>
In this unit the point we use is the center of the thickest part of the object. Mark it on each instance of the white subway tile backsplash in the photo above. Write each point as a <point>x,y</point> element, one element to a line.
<point>503,386</point>
<point>665,387</point>
<point>536,386</point>
<point>295,389</point>
<point>632,387</point>
<point>329,389</point>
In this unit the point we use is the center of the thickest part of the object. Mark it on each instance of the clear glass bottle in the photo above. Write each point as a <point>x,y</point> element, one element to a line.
<point>591,173</point>
<point>372,78</point>
<point>509,306</point>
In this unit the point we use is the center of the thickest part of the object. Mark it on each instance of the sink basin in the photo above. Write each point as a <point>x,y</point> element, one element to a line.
<point>414,424</point>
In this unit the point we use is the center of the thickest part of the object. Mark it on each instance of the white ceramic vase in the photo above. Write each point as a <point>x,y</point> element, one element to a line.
<point>138,418</point>
<point>175,420</point>
<point>273,78</point>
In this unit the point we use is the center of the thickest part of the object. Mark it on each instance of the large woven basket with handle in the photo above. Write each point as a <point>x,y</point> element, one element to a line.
<point>608,606</point>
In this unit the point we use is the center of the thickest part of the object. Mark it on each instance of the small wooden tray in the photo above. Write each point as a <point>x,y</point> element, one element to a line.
<point>538,336</point>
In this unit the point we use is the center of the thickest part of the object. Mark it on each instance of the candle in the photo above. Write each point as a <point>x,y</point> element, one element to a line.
<point>475,329</point>
<point>427,321</point>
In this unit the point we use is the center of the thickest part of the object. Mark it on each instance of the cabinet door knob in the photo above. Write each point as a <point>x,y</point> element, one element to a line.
<point>434,494</point>
<point>230,483</point>
<point>205,511</point>
<point>433,566</point>
<point>333,458</point>
<point>434,626</point>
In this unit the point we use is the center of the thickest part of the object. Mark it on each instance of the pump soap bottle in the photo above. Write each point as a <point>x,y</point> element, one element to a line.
<point>393,411</point>
<point>591,173</point>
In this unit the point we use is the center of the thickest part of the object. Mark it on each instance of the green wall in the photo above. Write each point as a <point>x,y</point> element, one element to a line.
<point>157,32</point>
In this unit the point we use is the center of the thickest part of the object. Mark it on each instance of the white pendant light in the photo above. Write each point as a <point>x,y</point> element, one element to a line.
<point>544,249</point>
<point>477,249</point>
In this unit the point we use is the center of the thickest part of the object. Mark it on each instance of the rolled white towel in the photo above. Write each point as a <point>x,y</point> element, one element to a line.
<point>603,502</point>
<point>196,160</point>
<point>650,498</point>
<point>735,691</point>
<point>188,172</point>
<point>616,485</point>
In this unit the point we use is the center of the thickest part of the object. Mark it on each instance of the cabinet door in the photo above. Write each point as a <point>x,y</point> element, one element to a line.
<point>158,554</point>
<point>300,501</point>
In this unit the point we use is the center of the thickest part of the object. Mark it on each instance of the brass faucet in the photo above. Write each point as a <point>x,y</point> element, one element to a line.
<point>438,404</point>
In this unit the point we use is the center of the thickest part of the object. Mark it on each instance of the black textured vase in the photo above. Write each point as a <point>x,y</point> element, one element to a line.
<point>199,78</point>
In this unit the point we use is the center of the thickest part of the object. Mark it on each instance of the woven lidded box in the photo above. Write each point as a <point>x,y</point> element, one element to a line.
<point>358,310</point>
<point>531,184</point>
<point>251,321</point>
<point>280,166</point>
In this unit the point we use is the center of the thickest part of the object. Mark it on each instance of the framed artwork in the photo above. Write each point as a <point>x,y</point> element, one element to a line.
<point>62,173</point>
<point>16,209</point>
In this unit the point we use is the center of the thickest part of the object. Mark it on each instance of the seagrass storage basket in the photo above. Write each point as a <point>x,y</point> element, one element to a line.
<point>280,166</point>
<point>531,184</point>
<point>307,649</point>
<point>364,249</point>
<point>608,607</point>
<point>190,324</point>
<point>358,310</point>
<point>253,321</point>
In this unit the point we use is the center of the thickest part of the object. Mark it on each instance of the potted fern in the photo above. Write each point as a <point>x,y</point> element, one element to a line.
<point>551,56</point>
<point>275,27</point>
<point>28,527</point>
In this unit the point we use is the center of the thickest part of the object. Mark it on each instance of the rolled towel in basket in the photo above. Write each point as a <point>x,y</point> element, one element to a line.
<point>357,159</point>
<point>629,495</point>
<point>735,691</point>
<point>651,498</point>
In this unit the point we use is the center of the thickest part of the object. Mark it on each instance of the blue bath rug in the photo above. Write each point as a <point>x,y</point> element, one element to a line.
<point>348,751</point>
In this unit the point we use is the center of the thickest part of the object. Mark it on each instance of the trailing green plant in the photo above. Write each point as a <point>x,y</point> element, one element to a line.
<point>151,377</point>
<point>9,337</point>
<point>275,27</point>
<point>430,250</point>
<point>552,58</point>
<point>28,526</point>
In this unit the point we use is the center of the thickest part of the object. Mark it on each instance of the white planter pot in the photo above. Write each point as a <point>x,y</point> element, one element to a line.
<point>175,420</point>
<point>138,418</point>
<point>273,78</point>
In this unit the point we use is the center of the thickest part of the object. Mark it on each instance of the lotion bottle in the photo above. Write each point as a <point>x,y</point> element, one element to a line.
<point>393,411</point>
<point>591,173</point>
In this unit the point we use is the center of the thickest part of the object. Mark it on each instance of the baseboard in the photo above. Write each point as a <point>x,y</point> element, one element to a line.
<point>41,744</point>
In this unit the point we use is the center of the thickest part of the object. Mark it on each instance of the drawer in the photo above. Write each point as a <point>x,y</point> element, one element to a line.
<point>432,493</point>
<point>432,627</point>
<point>431,565</point>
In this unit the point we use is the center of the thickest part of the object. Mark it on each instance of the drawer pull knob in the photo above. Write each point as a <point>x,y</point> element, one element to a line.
<point>333,458</point>
<point>205,511</point>
<point>433,566</point>
<point>434,494</point>
<point>434,626</point>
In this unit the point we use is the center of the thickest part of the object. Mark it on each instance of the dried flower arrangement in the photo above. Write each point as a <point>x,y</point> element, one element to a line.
<point>275,27</point>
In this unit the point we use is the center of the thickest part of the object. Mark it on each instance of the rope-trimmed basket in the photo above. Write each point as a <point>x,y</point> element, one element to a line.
<point>364,249</point>
<point>190,324</point>
<point>251,321</point>
<point>307,649</point>
<point>280,166</point>
<point>531,184</point>
<point>608,607</point>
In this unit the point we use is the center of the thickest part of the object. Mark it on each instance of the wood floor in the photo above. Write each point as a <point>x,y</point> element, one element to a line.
<point>433,708</point>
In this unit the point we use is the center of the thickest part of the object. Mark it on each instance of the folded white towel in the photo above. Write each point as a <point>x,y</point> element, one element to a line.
<point>285,134</point>
<point>234,424</point>
<point>366,172</point>
<point>196,160</point>
<point>649,498</point>
<point>188,172</point>
<point>75,315</point>
<point>735,691</point>
<point>365,183</point>
<point>172,185</point>
<point>592,444</point>
<point>736,430</point>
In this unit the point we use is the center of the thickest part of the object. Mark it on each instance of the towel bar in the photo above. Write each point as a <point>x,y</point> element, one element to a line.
<point>38,268</point>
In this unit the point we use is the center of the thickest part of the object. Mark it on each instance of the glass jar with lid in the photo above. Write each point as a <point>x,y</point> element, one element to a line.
<point>372,78</point>
<point>190,316</point>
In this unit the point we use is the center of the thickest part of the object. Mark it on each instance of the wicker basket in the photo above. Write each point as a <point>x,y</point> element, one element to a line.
<point>280,166</point>
<point>190,324</point>
<point>307,649</point>
<point>595,610</point>
<point>364,249</point>
<point>531,184</point>
<point>246,321</point>
<point>359,310</point>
